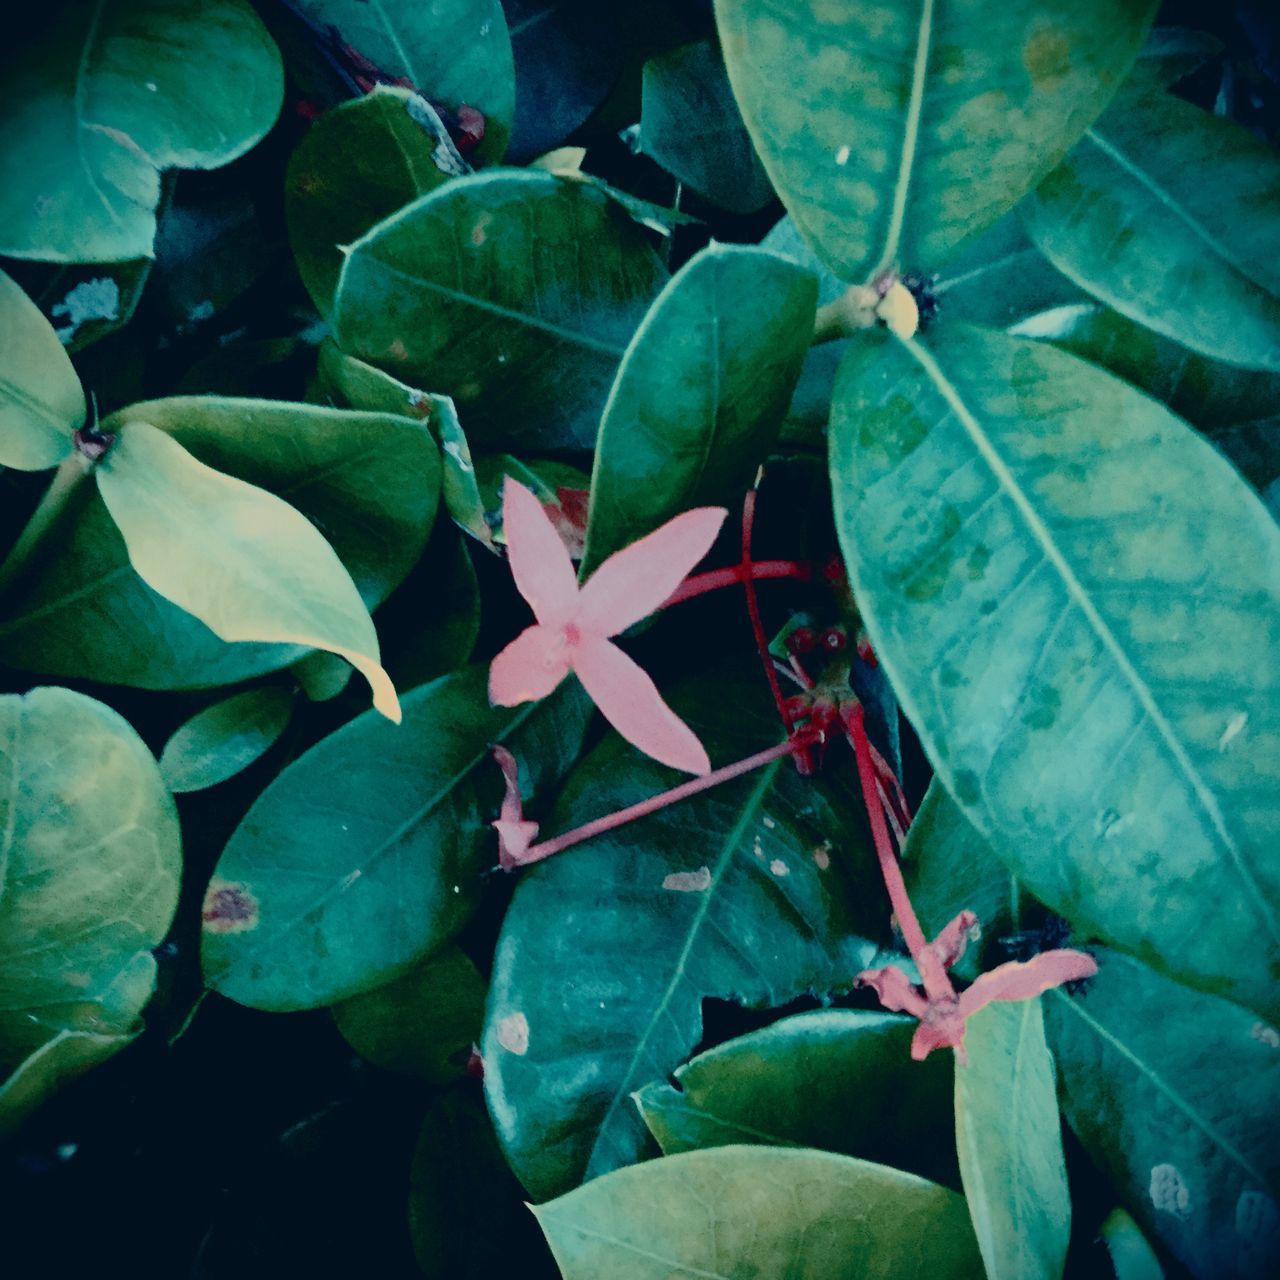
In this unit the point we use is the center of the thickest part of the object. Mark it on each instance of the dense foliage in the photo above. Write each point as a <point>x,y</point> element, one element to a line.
<point>873,404</point>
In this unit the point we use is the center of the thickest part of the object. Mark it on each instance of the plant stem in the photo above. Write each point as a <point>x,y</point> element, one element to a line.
<point>714,579</point>
<point>67,479</point>
<point>544,849</point>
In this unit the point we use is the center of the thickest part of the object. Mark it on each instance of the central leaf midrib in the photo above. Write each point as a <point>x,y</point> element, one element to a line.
<point>1080,597</point>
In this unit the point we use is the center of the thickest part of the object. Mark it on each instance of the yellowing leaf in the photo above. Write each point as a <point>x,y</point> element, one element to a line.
<point>243,561</point>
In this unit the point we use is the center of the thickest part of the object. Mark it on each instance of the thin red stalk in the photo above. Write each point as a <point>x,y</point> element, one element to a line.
<point>714,579</point>
<point>544,849</point>
<point>801,674</point>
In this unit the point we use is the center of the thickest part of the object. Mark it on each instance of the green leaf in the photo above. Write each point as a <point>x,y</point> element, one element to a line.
<point>90,863</point>
<point>700,394</point>
<point>455,52</point>
<point>375,824</point>
<point>367,481</point>
<point>760,1211</point>
<point>608,950</point>
<point>243,561</point>
<point>837,1080</point>
<point>1173,1094</point>
<point>105,95</point>
<point>690,124</point>
<point>1010,1142</point>
<point>1047,562</point>
<point>1206,392</point>
<point>422,1023</point>
<point>893,132</point>
<point>1170,215</point>
<point>41,402</point>
<point>482,291</point>
<point>363,387</point>
<point>220,741</point>
<point>1131,1256</point>
<point>353,167</point>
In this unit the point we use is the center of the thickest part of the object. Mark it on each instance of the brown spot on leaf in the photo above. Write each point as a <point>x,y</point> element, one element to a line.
<point>1047,57</point>
<point>397,350</point>
<point>229,908</point>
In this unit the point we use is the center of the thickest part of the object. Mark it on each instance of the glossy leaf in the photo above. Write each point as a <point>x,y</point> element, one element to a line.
<point>690,124</point>
<point>700,393</point>
<point>1009,1138</point>
<point>482,292</point>
<point>1169,1090</point>
<point>367,481</point>
<point>838,1080</point>
<point>893,132</point>
<point>760,1211</point>
<point>1051,612</point>
<point>422,1023</point>
<point>105,95</point>
<point>272,576</point>
<point>356,165</point>
<point>760,907</point>
<point>220,741</point>
<point>376,822</point>
<point>455,52</point>
<point>1132,217</point>
<point>89,873</point>
<point>41,402</point>
<point>1206,392</point>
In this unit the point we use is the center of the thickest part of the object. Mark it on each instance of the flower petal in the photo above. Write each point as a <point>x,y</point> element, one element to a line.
<point>950,944</point>
<point>630,701</point>
<point>539,560</point>
<point>529,667</point>
<point>635,581</point>
<point>894,990</point>
<point>1020,980</point>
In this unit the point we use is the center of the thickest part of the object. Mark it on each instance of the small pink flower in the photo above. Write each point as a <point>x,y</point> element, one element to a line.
<point>515,832</point>
<point>575,626</point>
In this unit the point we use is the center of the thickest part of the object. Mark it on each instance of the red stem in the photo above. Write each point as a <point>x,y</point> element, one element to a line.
<point>714,579</point>
<point>536,852</point>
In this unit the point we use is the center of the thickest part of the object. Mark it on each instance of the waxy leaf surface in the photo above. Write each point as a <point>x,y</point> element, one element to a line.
<point>376,824</point>
<point>700,394</point>
<point>220,741</point>
<point>893,131</point>
<point>1172,216</point>
<point>482,291</point>
<point>105,94</point>
<point>761,1211</point>
<point>1174,1095</point>
<point>1047,562</point>
<point>742,892</point>
<point>840,1080</point>
<point>1009,1137</point>
<point>90,861</point>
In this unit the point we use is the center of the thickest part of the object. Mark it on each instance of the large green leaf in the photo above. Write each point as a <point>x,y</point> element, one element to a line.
<point>1009,1138</point>
<point>608,949</point>
<point>838,1080</point>
<point>690,124</point>
<point>367,852</point>
<point>353,167</point>
<point>1172,216</point>
<point>243,561</point>
<point>367,481</point>
<point>90,860</point>
<point>760,1211</point>
<point>220,741</point>
<point>104,95</point>
<point>1206,392</point>
<point>41,402</point>
<point>482,291</point>
<point>700,394</point>
<point>893,131</point>
<point>1174,1095</point>
<point>456,52</point>
<point>1048,563</point>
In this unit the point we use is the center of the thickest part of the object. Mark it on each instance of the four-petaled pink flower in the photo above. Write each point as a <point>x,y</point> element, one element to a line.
<point>575,625</point>
<point>941,1011</point>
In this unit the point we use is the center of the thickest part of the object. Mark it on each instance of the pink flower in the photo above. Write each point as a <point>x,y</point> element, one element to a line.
<point>941,1011</point>
<point>575,625</point>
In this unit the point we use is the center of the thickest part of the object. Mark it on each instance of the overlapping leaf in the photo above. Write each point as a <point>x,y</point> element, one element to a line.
<point>220,741</point>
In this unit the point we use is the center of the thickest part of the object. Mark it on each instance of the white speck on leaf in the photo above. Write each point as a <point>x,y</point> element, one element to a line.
<point>513,1033</point>
<point>1265,1034</point>
<point>688,881</point>
<point>779,868</point>
<point>97,299</point>
<point>1169,1191</point>
<point>757,848</point>
<point>769,823</point>
<point>822,855</point>
<point>1234,726</point>
<point>842,156</point>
